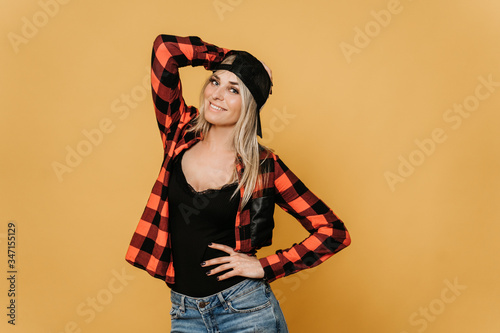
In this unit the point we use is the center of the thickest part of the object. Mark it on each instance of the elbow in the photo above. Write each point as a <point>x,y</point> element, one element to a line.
<point>341,235</point>
<point>338,241</point>
<point>347,239</point>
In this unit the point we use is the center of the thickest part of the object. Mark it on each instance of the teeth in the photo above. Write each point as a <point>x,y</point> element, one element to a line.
<point>216,107</point>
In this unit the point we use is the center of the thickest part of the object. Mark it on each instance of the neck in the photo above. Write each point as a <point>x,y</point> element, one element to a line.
<point>219,138</point>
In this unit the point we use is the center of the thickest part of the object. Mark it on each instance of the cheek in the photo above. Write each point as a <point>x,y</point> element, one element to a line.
<point>235,104</point>
<point>207,91</point>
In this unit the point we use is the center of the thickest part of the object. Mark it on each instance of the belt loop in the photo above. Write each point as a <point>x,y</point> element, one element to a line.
<point>182,308</point>
<point>222,300</point>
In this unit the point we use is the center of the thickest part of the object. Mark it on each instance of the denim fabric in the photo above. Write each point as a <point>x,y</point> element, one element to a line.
<point>247,307</point>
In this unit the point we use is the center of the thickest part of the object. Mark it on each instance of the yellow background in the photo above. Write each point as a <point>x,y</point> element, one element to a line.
<point>350,119</point>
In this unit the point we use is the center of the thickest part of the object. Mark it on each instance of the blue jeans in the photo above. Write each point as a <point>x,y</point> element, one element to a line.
<point>247,307</point>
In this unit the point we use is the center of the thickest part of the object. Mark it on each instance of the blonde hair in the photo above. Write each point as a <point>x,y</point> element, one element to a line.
<point>244,139</point>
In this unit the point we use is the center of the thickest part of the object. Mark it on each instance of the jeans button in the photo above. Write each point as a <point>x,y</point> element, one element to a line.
<point>202,304</point>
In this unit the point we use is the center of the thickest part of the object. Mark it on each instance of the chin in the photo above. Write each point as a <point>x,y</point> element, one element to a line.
<point>216,121</point>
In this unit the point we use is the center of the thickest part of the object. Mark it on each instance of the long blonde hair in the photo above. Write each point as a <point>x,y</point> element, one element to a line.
<point>244,139</point>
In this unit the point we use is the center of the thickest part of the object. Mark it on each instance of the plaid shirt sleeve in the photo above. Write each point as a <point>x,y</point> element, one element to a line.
<point>328,234</point>
<point>150,245</point>
<point>170,53</point>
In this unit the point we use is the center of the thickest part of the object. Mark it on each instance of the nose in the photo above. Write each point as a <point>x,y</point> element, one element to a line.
<point>218,93</point>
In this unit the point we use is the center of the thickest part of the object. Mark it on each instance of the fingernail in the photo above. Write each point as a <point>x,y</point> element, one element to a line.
<point>217,278</point>
<point>203,263</point>
<point>208,273</point>
<point>210,244</point>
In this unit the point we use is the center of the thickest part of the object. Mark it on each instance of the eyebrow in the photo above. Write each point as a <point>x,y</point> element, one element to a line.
<point>231,82</point>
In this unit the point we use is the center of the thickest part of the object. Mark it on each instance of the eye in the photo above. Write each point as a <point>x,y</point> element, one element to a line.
<point>214,81</point>
<point>234,90</point>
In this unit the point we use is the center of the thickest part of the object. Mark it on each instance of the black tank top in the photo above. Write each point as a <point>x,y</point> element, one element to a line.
<point>196,219</point>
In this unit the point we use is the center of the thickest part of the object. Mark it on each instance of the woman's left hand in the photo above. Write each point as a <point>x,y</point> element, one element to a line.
<point>237,264</point>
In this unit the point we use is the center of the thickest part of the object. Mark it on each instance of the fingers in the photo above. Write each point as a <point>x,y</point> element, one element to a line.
<point>216,261</point>
<point>222,247</point>
<point>219,260</point>
<point>232,268</point>
<point>235,264</point>
<point>269,71</point>
<point>228,266</point>
<point>227,275</point>
<point>225,263</point>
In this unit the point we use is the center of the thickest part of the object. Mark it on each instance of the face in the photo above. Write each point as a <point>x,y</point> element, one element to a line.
<point>222,99</point>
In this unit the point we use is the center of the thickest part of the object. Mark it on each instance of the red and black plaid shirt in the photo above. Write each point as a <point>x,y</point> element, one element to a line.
<point>150,247</point>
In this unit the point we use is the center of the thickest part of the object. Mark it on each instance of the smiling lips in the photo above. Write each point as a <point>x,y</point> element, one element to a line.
<point>216,108</point>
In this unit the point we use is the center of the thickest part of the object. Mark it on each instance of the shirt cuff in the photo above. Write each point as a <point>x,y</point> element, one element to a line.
<point>273,268</point>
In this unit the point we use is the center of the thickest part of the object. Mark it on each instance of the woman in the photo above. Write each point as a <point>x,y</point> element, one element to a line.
<point>212,205</point>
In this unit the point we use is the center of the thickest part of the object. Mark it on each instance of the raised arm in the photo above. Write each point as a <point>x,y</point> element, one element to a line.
<point>169,54</point>
<point>328,234</point>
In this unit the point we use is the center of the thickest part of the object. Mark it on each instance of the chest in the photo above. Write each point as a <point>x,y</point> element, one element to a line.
<point>208,170</point>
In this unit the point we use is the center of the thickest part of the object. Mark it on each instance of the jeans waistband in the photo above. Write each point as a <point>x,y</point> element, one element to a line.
<point>218,299</point>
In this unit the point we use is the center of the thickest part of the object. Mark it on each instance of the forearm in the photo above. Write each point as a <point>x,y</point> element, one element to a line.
<point>314,250</point>
<point>172,52</point>
<point>327,233</point>
<point>169,54</point>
